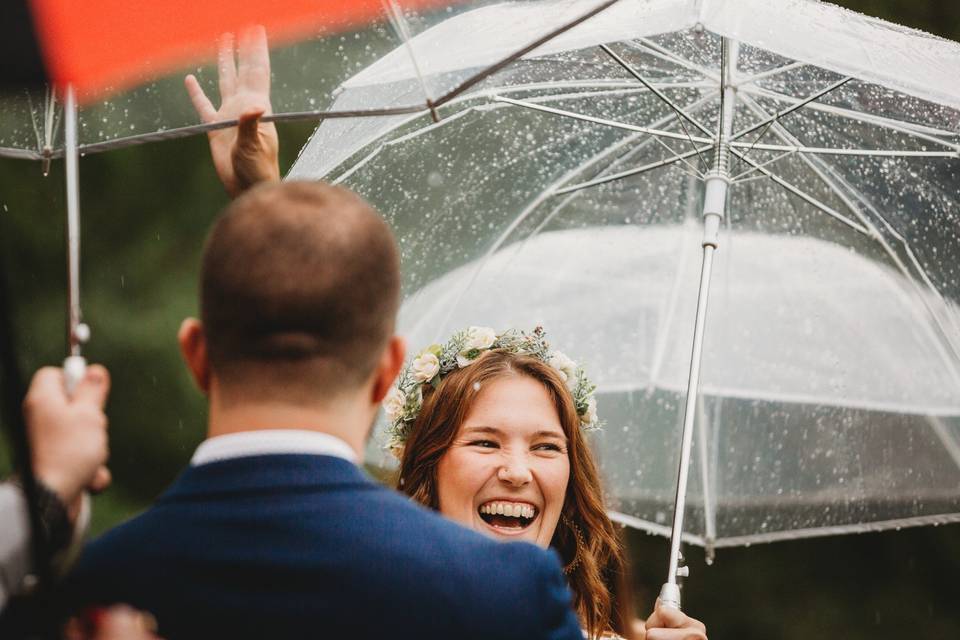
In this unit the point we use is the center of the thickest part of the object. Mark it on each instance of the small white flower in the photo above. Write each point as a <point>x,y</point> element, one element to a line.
<point>565,366</point>
<point>463,360</point>
<point>393,404</point>
<point>589,416</point>
<point>425,366</point>
<point>479,338</point>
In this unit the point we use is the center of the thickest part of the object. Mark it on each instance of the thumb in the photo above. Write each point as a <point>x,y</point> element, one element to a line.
<point>95,386</point>
<point>665,617</point>
<point>101,480</point>
<point>248,134</point>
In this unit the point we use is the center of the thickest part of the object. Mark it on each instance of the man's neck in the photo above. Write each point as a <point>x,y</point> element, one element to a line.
<point>349,423</point>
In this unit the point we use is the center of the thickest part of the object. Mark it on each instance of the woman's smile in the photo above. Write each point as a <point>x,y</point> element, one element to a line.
<point>508,517</point>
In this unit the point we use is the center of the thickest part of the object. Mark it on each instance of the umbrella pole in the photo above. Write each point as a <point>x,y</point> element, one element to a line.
<point>716,184</point>
<point>75,365</point>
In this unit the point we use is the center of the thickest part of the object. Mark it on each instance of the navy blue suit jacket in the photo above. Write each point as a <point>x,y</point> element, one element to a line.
<point>294,546</point>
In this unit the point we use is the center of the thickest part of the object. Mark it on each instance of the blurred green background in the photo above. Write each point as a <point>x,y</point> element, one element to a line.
<point>145,213</point>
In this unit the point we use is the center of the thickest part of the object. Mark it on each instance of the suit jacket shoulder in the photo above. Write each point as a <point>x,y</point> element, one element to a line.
<point>286,545</point>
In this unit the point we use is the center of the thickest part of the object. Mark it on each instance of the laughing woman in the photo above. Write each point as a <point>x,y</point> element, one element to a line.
<point>489,431</point>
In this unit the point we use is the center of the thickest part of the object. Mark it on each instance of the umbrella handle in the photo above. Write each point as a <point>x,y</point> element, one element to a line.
<point>670,596</point>
<point>74,369</point>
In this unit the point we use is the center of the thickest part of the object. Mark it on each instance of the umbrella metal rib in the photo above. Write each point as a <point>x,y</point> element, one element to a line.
<point>834,182</point>
<point>892,153</point>
<point>604,121</point>
<point>803,195</point>
<point>769,73</point>
<point>780,114</point>
<point>652,48</point>
<point>741,177</point>
<point>603,179</point>
<point>921,132</point>
<point>766,124</point>
<point>681,114</point>
<point>633,172</point>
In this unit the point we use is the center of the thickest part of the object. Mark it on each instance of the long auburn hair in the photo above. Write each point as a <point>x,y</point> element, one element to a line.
<point>598,577</point>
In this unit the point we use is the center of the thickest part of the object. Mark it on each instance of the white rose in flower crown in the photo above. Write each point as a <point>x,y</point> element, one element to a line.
<point>565,366</point>
<point>393,404</point>
<point>589,416</point>
<point>425,366</point>
<point>477,339</point>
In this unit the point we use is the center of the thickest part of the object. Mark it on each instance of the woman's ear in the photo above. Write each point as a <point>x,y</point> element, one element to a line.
<point>193,348</point>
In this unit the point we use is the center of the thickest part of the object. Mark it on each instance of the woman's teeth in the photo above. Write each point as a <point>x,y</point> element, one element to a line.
<point>509,509</point>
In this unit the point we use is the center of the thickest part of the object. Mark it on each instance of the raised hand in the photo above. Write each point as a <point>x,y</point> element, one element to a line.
<point>248,153</point>
<point>667,623</point>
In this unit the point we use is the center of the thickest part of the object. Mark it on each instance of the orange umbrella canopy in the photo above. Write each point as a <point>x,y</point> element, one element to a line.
<point>100,46</point>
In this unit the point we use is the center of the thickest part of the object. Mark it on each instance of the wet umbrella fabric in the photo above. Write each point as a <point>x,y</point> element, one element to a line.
<point>791,443</point>
<point>840,154</point>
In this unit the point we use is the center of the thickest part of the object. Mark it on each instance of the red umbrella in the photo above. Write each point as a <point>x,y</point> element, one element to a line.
<point>100,46</point>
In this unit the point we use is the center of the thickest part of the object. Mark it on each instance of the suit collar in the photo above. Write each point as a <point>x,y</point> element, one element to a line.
<point>271,442</point>
<point>266,473</point>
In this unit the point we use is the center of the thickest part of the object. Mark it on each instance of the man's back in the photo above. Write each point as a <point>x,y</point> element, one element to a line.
<point>306,546</point>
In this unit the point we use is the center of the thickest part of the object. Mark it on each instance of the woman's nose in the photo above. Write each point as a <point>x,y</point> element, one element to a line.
<point>514,472</point>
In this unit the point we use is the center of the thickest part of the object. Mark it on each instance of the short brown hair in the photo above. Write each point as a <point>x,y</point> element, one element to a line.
<point>598,577</point>
<point>300,285</point>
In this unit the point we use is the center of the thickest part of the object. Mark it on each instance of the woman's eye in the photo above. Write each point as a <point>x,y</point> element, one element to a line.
<point>485,444</point>
<point>547,446</point>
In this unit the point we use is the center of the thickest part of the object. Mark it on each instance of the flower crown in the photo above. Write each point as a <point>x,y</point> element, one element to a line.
<point>403,402</point>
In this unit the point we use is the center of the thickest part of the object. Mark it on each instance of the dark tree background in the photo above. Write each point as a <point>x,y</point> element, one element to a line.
<point>145,213</point>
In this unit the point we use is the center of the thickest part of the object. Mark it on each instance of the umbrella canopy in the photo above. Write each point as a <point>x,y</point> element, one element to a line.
<point>828,144</point>
<point>791,440</point>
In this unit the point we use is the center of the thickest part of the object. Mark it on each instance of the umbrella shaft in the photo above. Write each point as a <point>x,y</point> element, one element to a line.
<point>73,223</point>
<point>690,413</point>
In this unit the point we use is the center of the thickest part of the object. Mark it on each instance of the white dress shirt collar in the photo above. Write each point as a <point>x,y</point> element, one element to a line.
<point>271,442</point>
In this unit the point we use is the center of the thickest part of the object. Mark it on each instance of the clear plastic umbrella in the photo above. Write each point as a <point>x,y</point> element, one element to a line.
<point>585,161</point>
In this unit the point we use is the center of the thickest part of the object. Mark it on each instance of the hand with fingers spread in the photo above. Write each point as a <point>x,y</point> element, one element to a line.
<point>68,435</point>
<point>248,153</point>
<point>667,623</point>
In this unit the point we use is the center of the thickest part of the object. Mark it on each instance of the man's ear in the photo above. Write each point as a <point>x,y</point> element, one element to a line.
<point>390,364</point>
<point>193,348</point>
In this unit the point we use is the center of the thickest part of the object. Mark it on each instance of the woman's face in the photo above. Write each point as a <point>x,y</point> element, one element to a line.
<point>507,470</point>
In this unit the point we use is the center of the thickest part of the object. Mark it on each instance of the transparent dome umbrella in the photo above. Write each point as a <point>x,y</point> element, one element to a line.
<point>817,151</point>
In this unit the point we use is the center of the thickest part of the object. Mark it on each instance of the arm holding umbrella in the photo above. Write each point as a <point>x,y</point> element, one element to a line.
<point>248,153</point>
<point>69,450</point>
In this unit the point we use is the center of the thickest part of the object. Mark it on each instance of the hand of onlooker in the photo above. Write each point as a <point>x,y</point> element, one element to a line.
<point>68,436</point>
<point>119,622</point>
<point>667,623</point>
<point>248,153</point>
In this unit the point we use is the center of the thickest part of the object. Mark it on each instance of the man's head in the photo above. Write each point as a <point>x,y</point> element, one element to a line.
<point>300,286</point>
